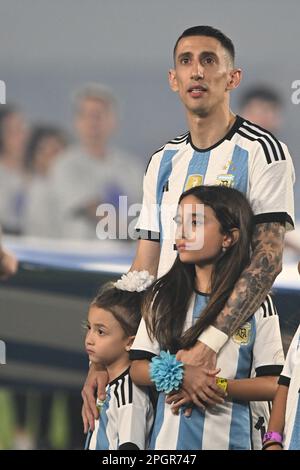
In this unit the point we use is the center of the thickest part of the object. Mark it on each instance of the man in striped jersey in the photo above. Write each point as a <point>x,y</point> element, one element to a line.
<point>219,148</point>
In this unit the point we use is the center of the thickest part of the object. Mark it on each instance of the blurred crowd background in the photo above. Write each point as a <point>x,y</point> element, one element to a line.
<point>88,103</point>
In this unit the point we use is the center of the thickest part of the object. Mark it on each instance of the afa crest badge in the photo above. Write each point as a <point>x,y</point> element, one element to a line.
<point>193,181</point>
<point>225,180</point>
<point>242,335</point>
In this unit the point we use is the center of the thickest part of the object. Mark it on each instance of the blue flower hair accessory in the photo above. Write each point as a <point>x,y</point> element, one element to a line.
<point>166,372</point>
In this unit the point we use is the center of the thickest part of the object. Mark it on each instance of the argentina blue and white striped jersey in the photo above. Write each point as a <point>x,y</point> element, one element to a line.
<point>255,349</point>
<point>291,378</point>
<point>125,418</point>
<point>248,158</point>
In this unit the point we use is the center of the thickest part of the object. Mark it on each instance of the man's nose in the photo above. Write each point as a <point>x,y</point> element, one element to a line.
<point>197,71</point>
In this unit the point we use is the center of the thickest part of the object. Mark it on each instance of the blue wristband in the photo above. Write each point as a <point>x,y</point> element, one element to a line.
<point>166,372</point>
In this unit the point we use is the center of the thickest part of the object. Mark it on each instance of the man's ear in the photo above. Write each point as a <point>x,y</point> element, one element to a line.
<point>235,77</point>
<point>128,345</point>
<point>173,80</point>
<point>231,238</point>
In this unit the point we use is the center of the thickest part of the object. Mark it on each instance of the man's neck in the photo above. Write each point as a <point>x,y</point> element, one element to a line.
<point>209,130</point>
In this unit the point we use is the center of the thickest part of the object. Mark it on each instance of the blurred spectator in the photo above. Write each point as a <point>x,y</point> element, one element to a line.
<point>263,105</point>
<point>8,263</point>
<point>93,172</point>
<point>13,136</point>
<point>46,143</point>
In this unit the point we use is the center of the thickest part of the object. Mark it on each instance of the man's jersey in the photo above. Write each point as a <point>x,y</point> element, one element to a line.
<point>125,418</point>
<point>291,377</point>
<point>255,349</point>
<point>249,159</point>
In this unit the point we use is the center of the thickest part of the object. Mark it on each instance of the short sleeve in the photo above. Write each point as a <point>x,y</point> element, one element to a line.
<point>147,226</point>
<point>143,346</point>
<point>289,364</point>
<point>268,356</point>
<point>132,426</point>
<point>271,185</point>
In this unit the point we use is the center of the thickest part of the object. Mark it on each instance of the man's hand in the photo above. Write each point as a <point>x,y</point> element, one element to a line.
<point>96,381</point>
<point>8,264</point>
<point>200,384</point>
<point>199,377</point>
<point>199,355</point>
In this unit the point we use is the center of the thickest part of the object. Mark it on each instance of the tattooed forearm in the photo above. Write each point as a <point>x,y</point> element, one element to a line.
<point>255,281</point>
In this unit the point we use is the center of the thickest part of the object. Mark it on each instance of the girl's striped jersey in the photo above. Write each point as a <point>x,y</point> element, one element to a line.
<point>125,418</point>
<point>254,350</point>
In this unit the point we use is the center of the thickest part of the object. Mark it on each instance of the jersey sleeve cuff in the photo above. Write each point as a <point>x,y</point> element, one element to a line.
<point>283,380</point>
<point>147,235</point>
<point>213,338</point>
<point>137,355</point>
<point>282,217</point>
<point>271,370</point>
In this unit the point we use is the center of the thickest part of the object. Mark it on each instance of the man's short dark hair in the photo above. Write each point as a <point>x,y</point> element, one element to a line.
<point>261,93</point>
<point>211,32</point>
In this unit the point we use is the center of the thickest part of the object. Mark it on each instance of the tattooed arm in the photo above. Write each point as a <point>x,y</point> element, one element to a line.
<point>255,281</point>
<point>247,295</point>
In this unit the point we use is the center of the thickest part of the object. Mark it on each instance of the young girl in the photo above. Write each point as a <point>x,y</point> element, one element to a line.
<point>284,424</point>
<point>213,249</point>
<point>126,415</point>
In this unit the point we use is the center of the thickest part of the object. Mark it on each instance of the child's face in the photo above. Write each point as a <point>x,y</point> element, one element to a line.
<point>105,340</point>
<point>198,235</point>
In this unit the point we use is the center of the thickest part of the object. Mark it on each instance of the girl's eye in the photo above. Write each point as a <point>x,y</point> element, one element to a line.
<point>197,223</point>
<point>100,332</point>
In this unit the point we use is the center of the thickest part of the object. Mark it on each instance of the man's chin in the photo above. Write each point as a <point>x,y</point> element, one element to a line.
<point>201,112</point>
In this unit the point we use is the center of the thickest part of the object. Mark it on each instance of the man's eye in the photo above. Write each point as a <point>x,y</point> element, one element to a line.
<point>209,60</point>
<point>185,60</point>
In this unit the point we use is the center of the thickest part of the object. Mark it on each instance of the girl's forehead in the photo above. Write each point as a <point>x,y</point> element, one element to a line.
<point>190,199</point>
<point>192,204</point>
<point>100,314</point>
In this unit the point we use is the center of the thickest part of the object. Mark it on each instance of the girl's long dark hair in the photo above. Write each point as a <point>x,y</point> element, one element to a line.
<point>167,300</point>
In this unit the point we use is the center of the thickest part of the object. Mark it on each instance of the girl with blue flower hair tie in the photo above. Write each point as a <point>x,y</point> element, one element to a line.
<point>213,235</point>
